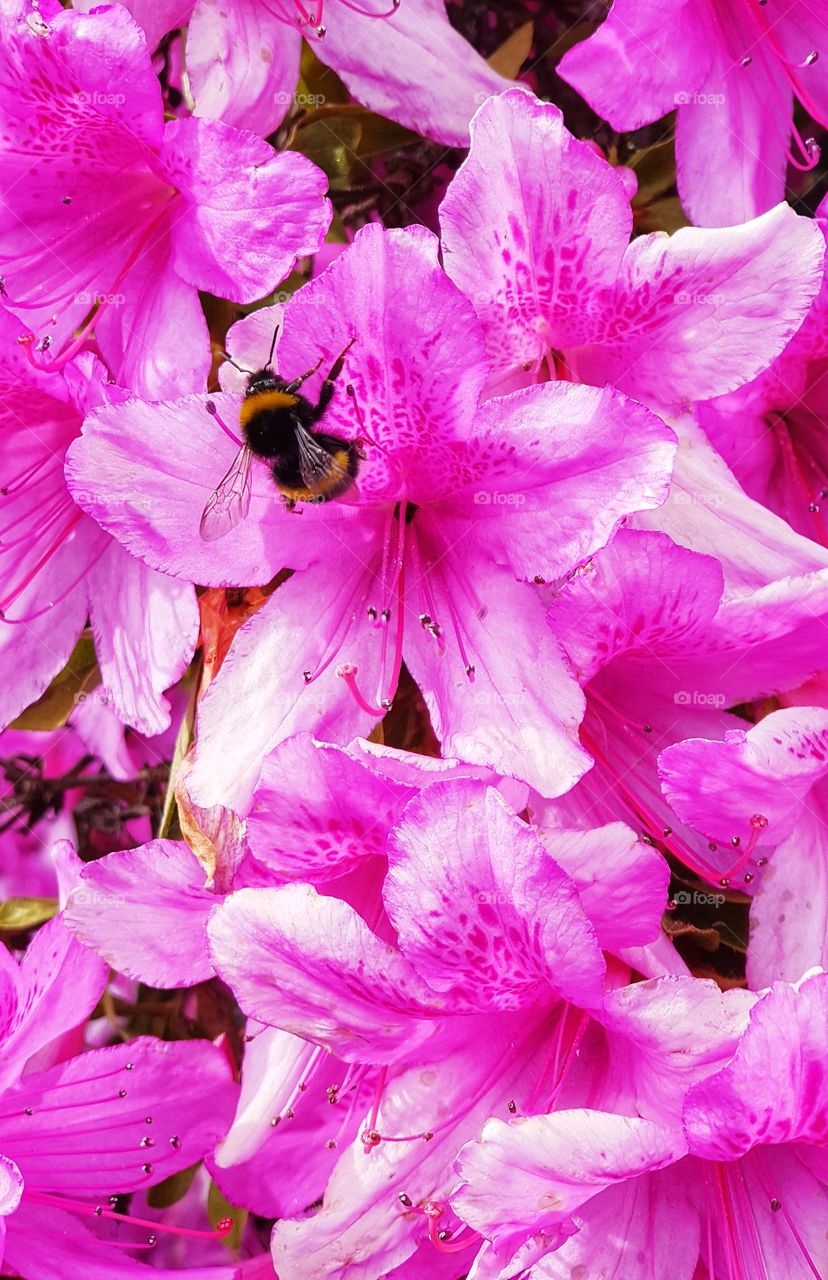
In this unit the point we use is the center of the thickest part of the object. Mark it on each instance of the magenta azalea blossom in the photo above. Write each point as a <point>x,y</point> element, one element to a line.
<point>106,1123</point>
<point>478,1006</point>
<point>58,568</point>
<point>772,431</point>
<point>320,813</point>
<point>536,231</point>
<point>662,654</point>
<point>459,506</point>
<point>732,1183</point>
<point>763,789</point>
<point>734,71</point>
<point>401,58</point>
<point>105,206</point>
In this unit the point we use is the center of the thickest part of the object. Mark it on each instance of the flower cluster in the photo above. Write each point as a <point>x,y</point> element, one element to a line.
<point>413,640</point>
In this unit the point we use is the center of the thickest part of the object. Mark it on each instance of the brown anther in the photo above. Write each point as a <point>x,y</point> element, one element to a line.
<point>512,1106</point>
<point>405,1200</point>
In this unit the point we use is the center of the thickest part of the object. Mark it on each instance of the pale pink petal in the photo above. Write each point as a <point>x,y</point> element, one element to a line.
<point>145,912</point>
<point>668,1033</point>
<point>775,1089</point>
<point>508,718</point>
<point>660,1225</point>
<point>11,1187</point>
<point>698,313</point>
<point>470,1075</point>
<point>261,696</point>
<point>762,772</point>
<point>243,64</point>
<point>250,211</point>
<point>145,627</point>
<point>709,512</point>
<point>789,914</point>
<point>480,908</point>
<point>393,65</point>
<point>622,882</point>
<point>533,226</point>
<point>528,1176</point>
<point>282,951</point>
<point>640,56</point>
<point>275,1160</point>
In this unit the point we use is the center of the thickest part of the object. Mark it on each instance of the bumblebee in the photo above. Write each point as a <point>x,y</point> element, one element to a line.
<point>278,426</point>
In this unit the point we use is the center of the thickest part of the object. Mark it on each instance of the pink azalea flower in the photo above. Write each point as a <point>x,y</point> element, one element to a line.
<point>734,71</point>
<point>320,813</point>
<point>771,432</point>
<point>459,504</point>
<point>401,58</point>
<point>536,229</point>
<point>128,212</point>
<point>108,1122</point>
<point>58,568</point>
<point>662,653</point>
<point>730,1184</point>
<point>776,771</point>
<point>477,1006</point>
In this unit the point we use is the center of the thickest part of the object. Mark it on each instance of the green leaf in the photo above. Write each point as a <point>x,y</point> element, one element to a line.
<point>218,1208</point>
<point>172,1189</point>
<point>76,681</point>
<point>510,57</point>
<point>17,914</point>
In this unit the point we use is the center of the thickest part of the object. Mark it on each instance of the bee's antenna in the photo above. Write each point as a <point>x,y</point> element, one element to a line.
<point>272,347</point>
<point>230,360</point>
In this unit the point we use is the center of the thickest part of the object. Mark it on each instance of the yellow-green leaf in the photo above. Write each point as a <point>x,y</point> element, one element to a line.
<point>218,1208</point>
<point>510,57</point>
<point>172,1189</point>
<point>17,914</point>
<point>76,681</point>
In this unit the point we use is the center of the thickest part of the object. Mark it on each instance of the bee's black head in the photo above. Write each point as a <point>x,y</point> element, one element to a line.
<point>263,380</point>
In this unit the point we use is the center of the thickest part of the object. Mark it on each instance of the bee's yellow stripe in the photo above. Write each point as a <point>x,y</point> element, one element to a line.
<point>333,481</point>
<point>251,405</point>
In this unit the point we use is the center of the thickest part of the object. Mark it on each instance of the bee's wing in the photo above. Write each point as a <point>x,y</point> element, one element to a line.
<point>230,501</point>
<point>315,461</point>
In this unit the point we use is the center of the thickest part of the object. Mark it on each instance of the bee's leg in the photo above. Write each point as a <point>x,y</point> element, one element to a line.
<point>290,505</point>
<point>303,377</point>
<point>327,389</point>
